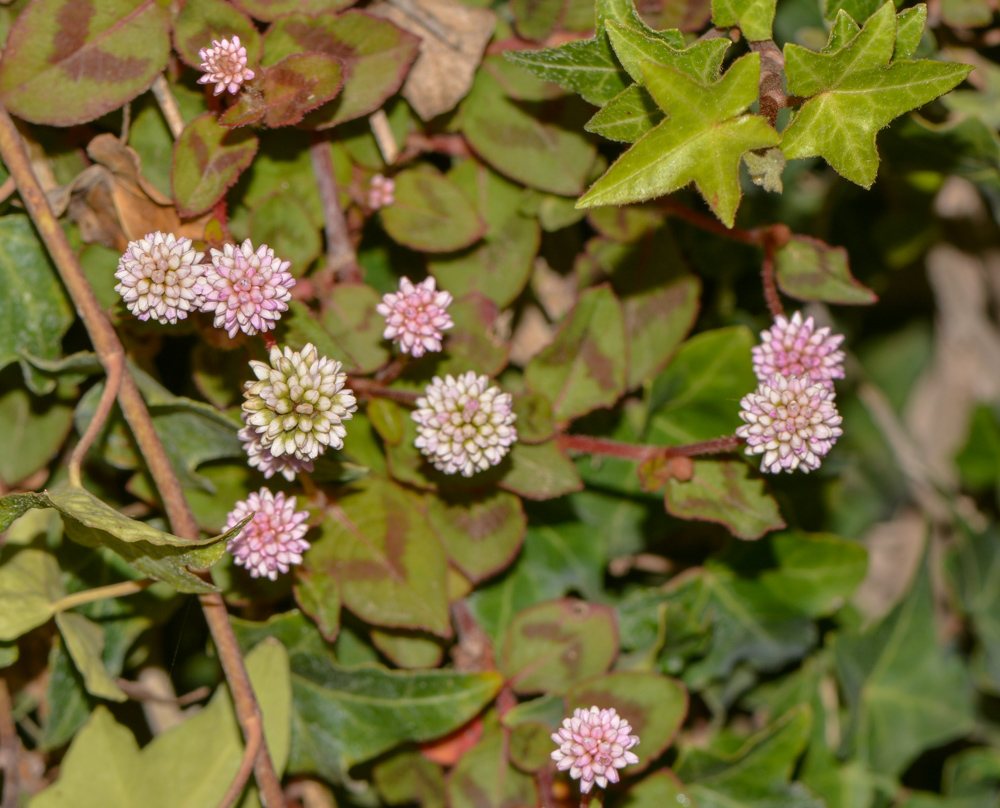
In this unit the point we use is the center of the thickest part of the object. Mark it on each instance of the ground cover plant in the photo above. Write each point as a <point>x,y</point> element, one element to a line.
<point>492,404</point>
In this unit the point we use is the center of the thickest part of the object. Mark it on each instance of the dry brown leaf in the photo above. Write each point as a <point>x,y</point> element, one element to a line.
<point>894,552</point>
<point>114,204</point>
<point>532,334</point>
<point>453,39</point>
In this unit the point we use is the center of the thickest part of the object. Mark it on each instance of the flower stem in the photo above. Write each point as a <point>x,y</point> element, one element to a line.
<point>372,389</point>
<point>110,351</point>
<point>640,452</point>
<point>340,257</point>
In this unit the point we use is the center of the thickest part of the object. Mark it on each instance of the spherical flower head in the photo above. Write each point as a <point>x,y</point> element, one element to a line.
<point>298,404</point>
<point>593,745</point>
<point>225,65</point>
<point>246,289</point>
<point>159,277</point>
<point>381,192</point>
<point>464,425</point>
<point>797,348</point>
<point>259,457</point>
<point>415,316</point>
<point>792,421</point>
<point>273,539</point>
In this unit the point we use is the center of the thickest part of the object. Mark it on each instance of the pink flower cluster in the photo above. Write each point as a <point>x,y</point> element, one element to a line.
<point>381,192</point>
<point>791,418</point>
<point>162,277</point>
<point>415,316</point>
<point>593,745</point>
<point>273,539</point>
<point>225,65</point>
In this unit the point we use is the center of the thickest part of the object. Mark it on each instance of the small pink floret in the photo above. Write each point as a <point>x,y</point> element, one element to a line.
<point>593,745</point>
<point>381,192</point>
<point>225,65</point>
<point>797,348</point>
<point>416,316</point>
<point>273,539</point>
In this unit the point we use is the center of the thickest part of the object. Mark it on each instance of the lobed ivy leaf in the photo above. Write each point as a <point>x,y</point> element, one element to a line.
<point>754,17</point>
<point>809,269</point>
<point>626,117</point>
<point>549,647</point>
<point>910,24</point>
<point>207,161</point>
<point>702,141</point>
<point>701,61</point>
<point>844,29</point>
<point>376,54</point>
<point>431,213</point>
<point>200,22</point>
<point>70,61</point>
<point>584,367</point>
<point>856,91</point>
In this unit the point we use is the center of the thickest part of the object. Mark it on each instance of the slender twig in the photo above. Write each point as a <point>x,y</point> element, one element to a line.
<point>386,141</point>
<point>391,371</point>
<point>139,692</point>
<point>168,106</point>
<point>340,257</point>
<point>254,741</point>
<point>640,452</point>
<point>775,236</point>
<point>113,383</point>
<point>109,349</point>
<point>118,590</point>
<point>772,91</point>
<point>10,748</point>
<point>371,389</point>
<point>709,223</point>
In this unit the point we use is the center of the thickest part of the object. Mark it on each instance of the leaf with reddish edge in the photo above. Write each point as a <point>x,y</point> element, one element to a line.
<point>285,92</point>
<point>376,53</point>
<point>540,472</point>
<point>656,321</point>
<point>349,317</point>
<point>390,565</point>
<point>208,160</point>
<point>661,788</point>
<point>809,269</point>
<point>201,22</point>
<point>431,213</point>
<point>584,367</point>
<point>318,595</point>
<point>550,647</point>
<point>726,492</point>
<point>473,341</point>
<point>655,706</point>
<point>70,61</point>
<point>534,418</point>
<point>482,533</point>
<point>270,10</point>
<point>484,778</point>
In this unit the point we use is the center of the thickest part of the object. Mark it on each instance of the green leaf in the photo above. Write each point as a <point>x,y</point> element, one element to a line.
<point>376,54</point>
<point>909,29</point>
<point>282,223</point>
<point>318,594</point>
<point>905,691</point>
<point>36,428</point>
<point>843,31</point>
<point>536,19</point>
<point>854,9</point>
<point>582,369</point>
<point>389,563</point>
<point>728,492</point>
<point>694,399</point>
<point>202,21</point>
<point>756,774</point>
<point>656,321</point>
<point>703,145</point>
<point>498,267</point>
<point>661,788</point>
<point>481,533</point>
<point>408,777</point>
<point>34,310</point>
<point>285,92</point>
<point>473,341</point>
<point>29,587</point>
<point>966,13</point>
<point>540,471</point>
<point>343,716</point>
<point>349,317</point>
<point>702,61</point>
<point>483,777</point>
<point>548,154</point>
<point>654,705</point>
<point>754,17</point>
<point>766,169</point>
<point>431,213</point>
<point>626,117</point>
<point>70,61</point>
<point>85,641</point>
<point>208,159</point>
<point>748,624</point>
<point>855,91</point>
<point>809,269</point>
<point>270,10</point>
<point>552,646</point>
<point>408,649</point>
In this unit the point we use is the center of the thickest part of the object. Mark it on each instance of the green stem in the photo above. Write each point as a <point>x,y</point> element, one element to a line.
<point>118,590</point>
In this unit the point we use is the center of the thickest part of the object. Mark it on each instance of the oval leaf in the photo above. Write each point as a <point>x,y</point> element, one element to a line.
<point>71,61</point>
<point>431,213</point>
<point>809,269</point>
<point>269,10</point>
<point>208,160</point>
<point>202,21</point>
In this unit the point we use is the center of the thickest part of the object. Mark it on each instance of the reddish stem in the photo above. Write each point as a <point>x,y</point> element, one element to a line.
<point>639,452</point>
<point>371,389</point>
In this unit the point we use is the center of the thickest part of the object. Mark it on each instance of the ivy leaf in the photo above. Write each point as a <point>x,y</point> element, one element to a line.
<point>754,17</point>
<point>855,92</point>
<point>702,141</point>
<point>909,29</point>
<point>626,117</point>
<point>701,61</point>
<point>906,692</point>
<point>70,61</point>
